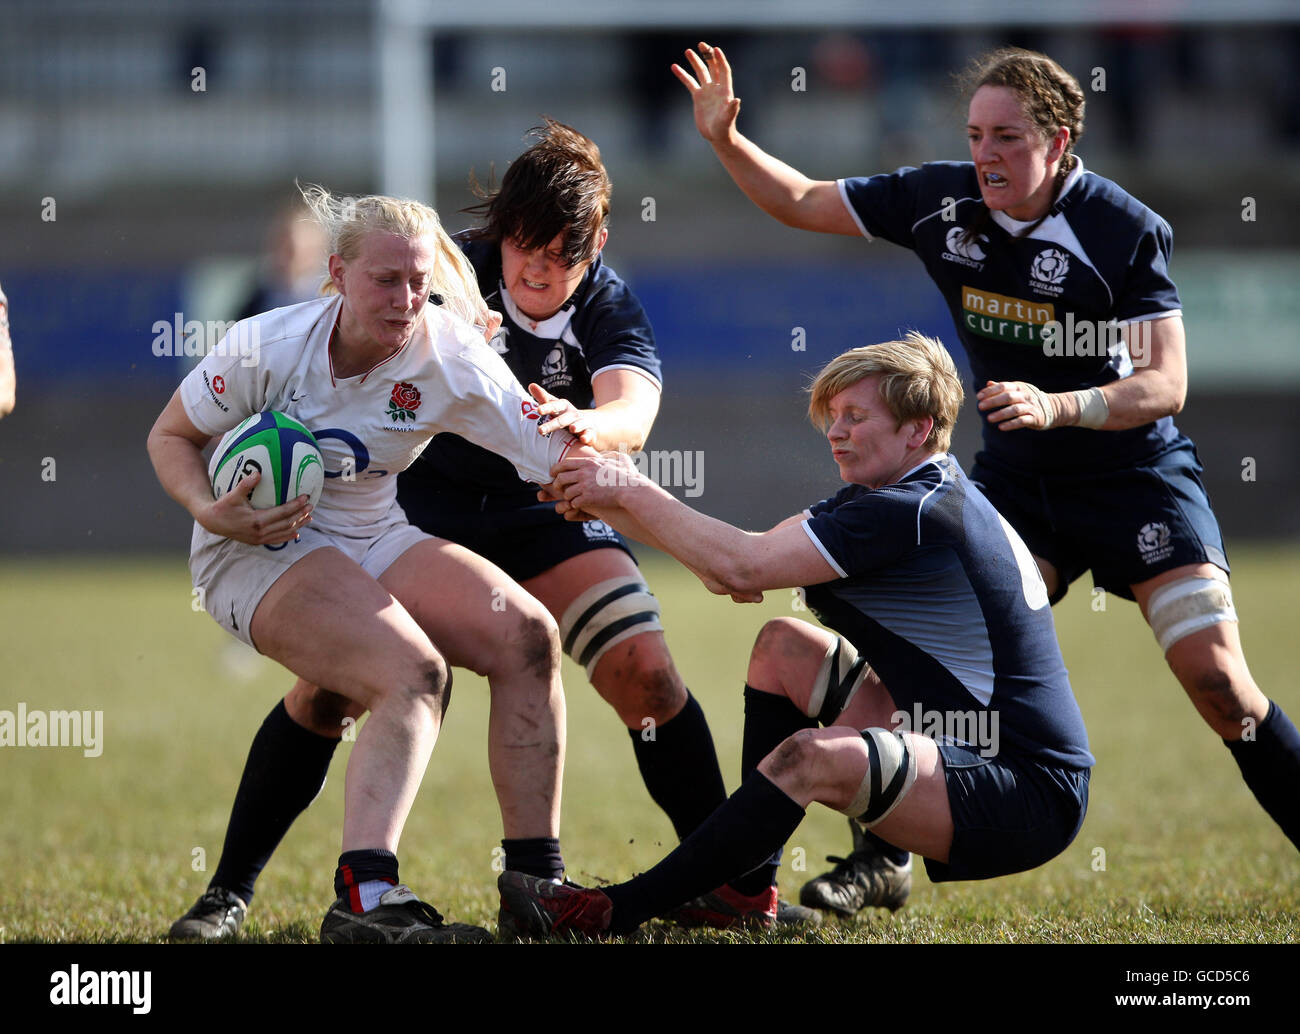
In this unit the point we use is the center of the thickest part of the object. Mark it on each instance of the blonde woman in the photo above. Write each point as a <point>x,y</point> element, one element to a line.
<point>349,595</point>
<point>572,326</point>
<point>948,727</point>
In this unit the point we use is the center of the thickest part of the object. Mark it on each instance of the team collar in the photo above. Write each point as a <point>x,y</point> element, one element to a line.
<point>553,327</point>
<point>550,328</point>
<point>361,378</point>
<point>936,458</point>
<point>1015,227</point>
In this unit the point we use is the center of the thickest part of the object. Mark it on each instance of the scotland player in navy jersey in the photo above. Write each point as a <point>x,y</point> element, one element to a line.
<point>943,623</point>
<point>572,329</point>
<point>1058,283</point>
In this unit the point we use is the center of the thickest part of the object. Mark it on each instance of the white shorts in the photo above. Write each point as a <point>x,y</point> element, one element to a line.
<point>234,576</point>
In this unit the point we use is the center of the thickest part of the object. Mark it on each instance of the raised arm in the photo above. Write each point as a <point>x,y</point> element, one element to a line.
<point>782,192</point>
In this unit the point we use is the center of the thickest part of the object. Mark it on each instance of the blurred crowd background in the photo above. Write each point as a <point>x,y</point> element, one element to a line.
<point>148,151</point>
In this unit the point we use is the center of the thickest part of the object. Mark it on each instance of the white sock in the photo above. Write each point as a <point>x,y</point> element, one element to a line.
<point>371,891</point>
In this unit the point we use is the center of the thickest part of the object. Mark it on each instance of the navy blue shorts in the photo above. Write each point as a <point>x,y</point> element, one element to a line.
<point>1008,814</point>
<point>512,529</point>
<point>1124,525</point>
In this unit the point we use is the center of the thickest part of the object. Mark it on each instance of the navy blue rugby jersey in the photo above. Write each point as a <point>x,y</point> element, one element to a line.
<point>944,601</point>
<point>601,327</point>
<point>1036,308</point>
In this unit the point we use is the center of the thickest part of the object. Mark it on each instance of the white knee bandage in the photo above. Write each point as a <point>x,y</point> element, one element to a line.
<point>838,679</point>
<point>606,614</point>
<point>1188,605</point>
<point>891,771</point>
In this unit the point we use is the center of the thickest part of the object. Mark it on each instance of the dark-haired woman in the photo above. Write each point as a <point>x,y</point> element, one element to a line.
<point>573,329</point>
<point>1058,283</point>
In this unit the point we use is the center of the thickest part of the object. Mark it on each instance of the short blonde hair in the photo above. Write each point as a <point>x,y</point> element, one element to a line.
<point>917,379</point>
<point>348,220</point>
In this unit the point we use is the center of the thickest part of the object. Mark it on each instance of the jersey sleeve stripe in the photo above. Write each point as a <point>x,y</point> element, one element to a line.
<point>844,196</point>
<point>635,369</point>
<point>823,551</point>
<point>943,477</point>
<point>1153,316</point>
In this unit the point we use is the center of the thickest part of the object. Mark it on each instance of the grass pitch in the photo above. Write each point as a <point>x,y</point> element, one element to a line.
<point>113,848</point>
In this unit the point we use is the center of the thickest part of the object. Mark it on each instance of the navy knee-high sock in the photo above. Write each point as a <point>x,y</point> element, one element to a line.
<point>680,767</point>
<point>749,825</point>
<point>770,719</point>
<point>536,856</point>
<point>284,772</point>
<point>1270,764</point>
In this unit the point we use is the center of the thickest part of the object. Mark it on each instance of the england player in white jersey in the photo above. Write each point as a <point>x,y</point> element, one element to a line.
<point>573,327</point>
<point>371,424</point>
<point>349,595</point>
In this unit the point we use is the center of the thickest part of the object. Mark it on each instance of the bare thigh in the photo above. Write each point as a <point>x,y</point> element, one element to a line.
<point>328,621</point>
<point>468,607</point>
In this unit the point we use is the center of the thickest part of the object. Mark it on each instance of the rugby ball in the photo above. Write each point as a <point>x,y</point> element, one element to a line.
<point>279,448</point>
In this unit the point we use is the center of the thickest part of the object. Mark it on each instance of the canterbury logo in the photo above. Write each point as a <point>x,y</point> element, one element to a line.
<point>958,245</point>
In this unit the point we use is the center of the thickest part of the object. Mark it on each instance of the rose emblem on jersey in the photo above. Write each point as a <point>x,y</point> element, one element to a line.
<point>1050,266</point>
<point>404,401</point>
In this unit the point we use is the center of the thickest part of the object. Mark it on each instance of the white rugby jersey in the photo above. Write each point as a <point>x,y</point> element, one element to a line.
<point>372,426</point>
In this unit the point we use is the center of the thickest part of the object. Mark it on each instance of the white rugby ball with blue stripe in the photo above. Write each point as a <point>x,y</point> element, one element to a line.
<point>282,450</point>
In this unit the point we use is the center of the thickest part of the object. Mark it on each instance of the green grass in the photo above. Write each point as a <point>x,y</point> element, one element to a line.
<point>104,849</point>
